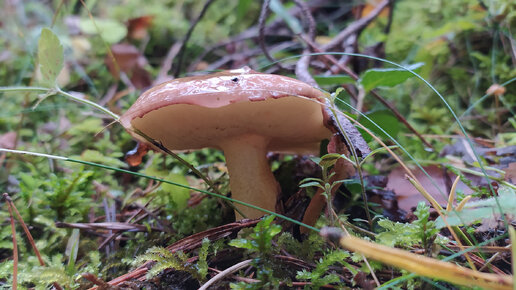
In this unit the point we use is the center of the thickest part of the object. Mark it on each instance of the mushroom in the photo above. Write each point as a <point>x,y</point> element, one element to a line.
<point>241,112</point>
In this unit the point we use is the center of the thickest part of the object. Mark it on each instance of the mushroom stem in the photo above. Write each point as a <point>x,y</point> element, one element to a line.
<point>250,176</point>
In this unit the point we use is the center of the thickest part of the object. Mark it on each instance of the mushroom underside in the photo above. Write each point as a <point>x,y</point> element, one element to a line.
<point>245,131</point>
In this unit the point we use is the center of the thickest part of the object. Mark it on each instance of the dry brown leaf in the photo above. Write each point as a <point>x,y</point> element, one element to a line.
<point>408,196</point>
<point>8,140</point>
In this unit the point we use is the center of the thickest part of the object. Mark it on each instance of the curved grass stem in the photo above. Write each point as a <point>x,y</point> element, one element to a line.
<point>58,91</point>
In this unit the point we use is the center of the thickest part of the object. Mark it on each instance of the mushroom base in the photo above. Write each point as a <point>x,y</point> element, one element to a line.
<point>250,176</point>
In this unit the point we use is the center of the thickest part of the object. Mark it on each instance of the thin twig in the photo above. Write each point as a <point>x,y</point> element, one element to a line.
<point>15,244</point>
<point>10,203</point>
<point>119,232</point>
<point>97,281</point>
<point>167,63</point>
<point>187,37</point>
<point>25,229</point>
<point>388,26</point>
<point>304,62</point>
<point>108,226</point>
<point>354,27</point>
<point>56,13</point>
<point>252,32</point>
<point>225,273</point>
<point>261,33</point>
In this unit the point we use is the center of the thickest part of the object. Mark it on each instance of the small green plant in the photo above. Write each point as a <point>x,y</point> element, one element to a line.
<point>325,183</point>
<point>260,243</point>
<point>55,271</point>
<point>320,276</point>
<point>178,260</point>
<point>305,249</point>
<point>421,231</point>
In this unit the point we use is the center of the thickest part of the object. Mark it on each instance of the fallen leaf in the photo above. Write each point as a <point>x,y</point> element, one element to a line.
<point>126,56</point>
<point>408,196</point>
<point>510,173</point>
<point>8,140</point>
<point>138,27</point>
<point>128,59</point>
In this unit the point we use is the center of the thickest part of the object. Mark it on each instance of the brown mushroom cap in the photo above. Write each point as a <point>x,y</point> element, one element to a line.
<point>242,112</point>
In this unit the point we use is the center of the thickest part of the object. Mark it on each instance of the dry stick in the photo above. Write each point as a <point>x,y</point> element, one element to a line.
<point>304,62</point>
<point>25,229</point>
<point>187,37</point>
<point>376,95</point>
<point>152,213</point>
<point>225,273</point>
<point>54,18</point>
<point>99,282</point>
<point>15,244</point>
<point>390,17</point>
<point>169,59</point>
<point>109,226</point>
<point>27,233</point>
<point>354,153</point>
<point>119,232</point>
<point>261,33</point>
<point>251,33</point>
<point>495,256</point>
<point>115,234</point>
<point>354,27</point>
<point>251,280</point>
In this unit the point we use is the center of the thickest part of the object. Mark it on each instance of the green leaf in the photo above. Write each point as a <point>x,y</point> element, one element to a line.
<point>385,119</point>
<point>334,80</point>
<point>241,243</point>
<point>50,56</point>
<point>482,209</point>
<point>169,192</point>
<point>98,157</point>
<point>386,77</point>
<point>72,248</point>
<point>398,234</point>
<point>110,30</point>
<point>329,160</point>
<point>179,195</point>
<point>277,7</point>
<point>242,9</point>
<point>261,238</point>
<point>310,184</point>
<point>202,264</point>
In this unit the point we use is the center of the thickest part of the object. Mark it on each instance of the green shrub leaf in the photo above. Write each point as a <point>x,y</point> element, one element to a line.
<point>110,30</point>
<point>385,119</point>
<point>482,209</point>
<point>50,56</point>
<point>386,77</point>
<point>334,80</point>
